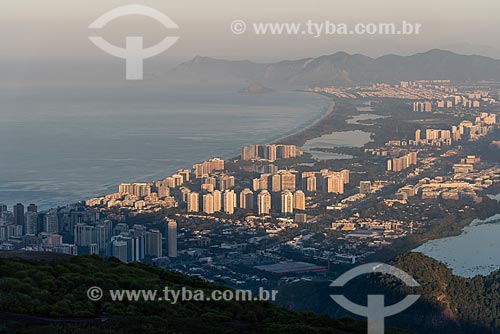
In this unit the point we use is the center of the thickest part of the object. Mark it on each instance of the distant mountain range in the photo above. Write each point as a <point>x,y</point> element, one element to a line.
<point>341,69</point>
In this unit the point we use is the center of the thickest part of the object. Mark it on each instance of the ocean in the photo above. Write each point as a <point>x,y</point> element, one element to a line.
<point>62,144</point>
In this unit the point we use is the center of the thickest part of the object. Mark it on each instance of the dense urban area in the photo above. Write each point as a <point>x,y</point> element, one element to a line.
<point>277,214</point>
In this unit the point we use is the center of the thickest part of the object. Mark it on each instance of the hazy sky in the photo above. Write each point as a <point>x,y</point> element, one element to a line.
<point>57,30</point>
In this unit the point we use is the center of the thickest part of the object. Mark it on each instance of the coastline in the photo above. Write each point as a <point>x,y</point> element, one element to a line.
<point>327,112</point>
<point>286,139</point>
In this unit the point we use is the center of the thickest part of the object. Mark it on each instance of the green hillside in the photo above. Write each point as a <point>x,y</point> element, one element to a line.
<point>448,303</point>
<point>46,294</point>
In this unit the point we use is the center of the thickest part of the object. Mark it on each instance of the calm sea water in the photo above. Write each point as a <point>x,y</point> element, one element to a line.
<point>60,145</point>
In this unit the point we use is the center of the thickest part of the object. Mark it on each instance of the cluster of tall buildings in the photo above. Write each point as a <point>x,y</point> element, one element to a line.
<point>176,180</point>
<point>270,152</point>
<point>324,180</point>
<point>403,162</point>
<point>135,244</point>
<point>436,137</point>
<point>21,222</point>
<point>138,196</point>
<point>205,168</point>
<point>290,201</point>
<point>84,232</point>
<point>228,200</point>
<point>482,125</point>
<point>135,189</point>
<point>142,196</point>
<point>32,230</point>
<point>125,243</point>
<point>467,101</point>
<point>220,181</point>
<point>425,106</point>
<point>281,180</point>
<point>282,191</point>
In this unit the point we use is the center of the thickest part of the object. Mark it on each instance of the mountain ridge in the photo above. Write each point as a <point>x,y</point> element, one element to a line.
<point>342,69</point>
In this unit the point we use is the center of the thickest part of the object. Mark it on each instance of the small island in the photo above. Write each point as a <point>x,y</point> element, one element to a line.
<point>255,89</point>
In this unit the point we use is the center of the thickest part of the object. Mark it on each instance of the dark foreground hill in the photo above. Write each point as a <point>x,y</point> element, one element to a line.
<point>40,293</point>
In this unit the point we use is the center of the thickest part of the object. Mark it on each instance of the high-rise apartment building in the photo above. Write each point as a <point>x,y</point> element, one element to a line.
<point>345,175</point>
<point>249,152</point>
<point>264,181</point>
<point>18,211</point>
<point>51,222</point>
<point>403,162</point>
<point>31,222</point>
<point>135,189</point>
<point>193,202</point>
<point>217,200</point>
<point>246,199</point>
<point>263,202</point>
<point>119,249</point>
<point>276,183</point>
<point>287,202</point>
<point>172,238</point>
<point>208,203</point>
<point>185,194</point>
<point>84,235</point>
<point>299,200</point>
<point>229,199</point>
<point>333,183</point>
<point>288,180</point>
<point>269,152</point>
<point>178,180</point>
<point>256,184</point>
<point>185,173</point>
<point>207,167</point>
<point>103,233</point>
<point>225,182</point>
<point>154,243</point>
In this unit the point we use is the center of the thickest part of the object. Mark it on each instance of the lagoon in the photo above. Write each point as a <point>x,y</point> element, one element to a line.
<point>474,252</point>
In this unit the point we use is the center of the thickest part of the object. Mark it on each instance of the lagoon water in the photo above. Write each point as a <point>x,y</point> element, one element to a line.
<point>59,145</point>
<point>495,197</point>
<point>356,138</point>
<point>474,252</point>
<point>361,119</point>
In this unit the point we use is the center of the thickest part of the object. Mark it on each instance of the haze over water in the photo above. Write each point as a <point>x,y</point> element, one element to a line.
<point>61,145</point>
